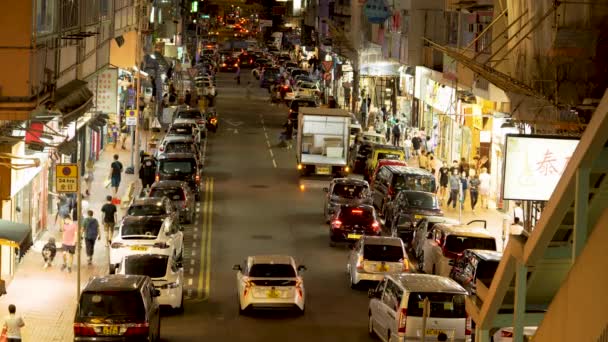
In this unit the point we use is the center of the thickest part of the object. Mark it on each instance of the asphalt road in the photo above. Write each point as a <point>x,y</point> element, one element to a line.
<point>258,207</point>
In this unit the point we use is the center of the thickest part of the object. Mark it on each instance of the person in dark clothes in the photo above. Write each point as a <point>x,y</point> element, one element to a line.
<point>147,172</point>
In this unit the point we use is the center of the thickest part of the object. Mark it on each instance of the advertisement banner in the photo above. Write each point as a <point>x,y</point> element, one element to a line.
<point>534,165</point>
<point>104,89</point>
<point>376,11</point>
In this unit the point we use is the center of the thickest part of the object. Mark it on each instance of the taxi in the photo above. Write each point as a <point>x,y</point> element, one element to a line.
<point>382,152</point>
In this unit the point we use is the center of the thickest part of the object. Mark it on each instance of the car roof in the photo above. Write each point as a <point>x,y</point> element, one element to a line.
<point>408,169</point>
<point>271,259</point>
<point>352,181</point>
<point>486,254</point>
<point>189,109</point>
<point>157,201</point>
<point>416,282</point>
<point>357,206</point>
<point>464,230</point>
<point>115,282</point>
<point>419,192</point>
<point>177,155</point>
<point>178,138</point>
<point>382,240</point>
<point>169,184</point>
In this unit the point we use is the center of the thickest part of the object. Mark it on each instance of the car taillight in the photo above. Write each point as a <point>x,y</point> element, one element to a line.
<point>248,286</point>
<point>505,333</point>
<point>406,265</point>
<point>402,320</point>
<point>161,148</point>
<point>336,224</point>
<point>299,288</point>
<point>236,64</point>
<point>213,121</point>
<point>468,325</point>
<point>200,122</point>
<point>223,64</point>
<point>161,245</point>
<point>197,178</point>
<point>376,226</point>
<point>137,330</point>
<point>449,254</point>
<point>116,245</point>
<point>360,263</point>
<point>81,329</point>
<point>157,177</point>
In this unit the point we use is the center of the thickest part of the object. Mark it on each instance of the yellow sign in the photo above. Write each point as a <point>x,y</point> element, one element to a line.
<point>66,177</point>
<point>131,117</point>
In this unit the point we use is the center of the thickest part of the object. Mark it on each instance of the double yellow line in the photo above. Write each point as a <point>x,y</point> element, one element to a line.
<point>204,275</point>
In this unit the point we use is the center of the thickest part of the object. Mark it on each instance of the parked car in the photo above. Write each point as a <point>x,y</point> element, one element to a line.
<point>373,257</point>
<point>345,191</point>
<point>118,308</point>
<point>383,162</point>
<point>270,281</point>
<point>180,194</point>
<point>160,206</point>
<point>351,222</point>
<point>392,179</point>
<point>229,64</point>
<point>397,304</point>
<point>416,204</point>
<point>192,115</point>
<point>146,234</point>
<point>180,144</point>
<point>425,225</point>
<point>475,265</point>
<point>381,152</point>
<point>166,274</point>
<point>181,166</point>
<point>184,128</point>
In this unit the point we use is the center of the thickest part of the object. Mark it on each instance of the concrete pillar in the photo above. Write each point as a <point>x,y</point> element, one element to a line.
<point>520,302</point>
<point>581,212</point>
<point>482,335</point>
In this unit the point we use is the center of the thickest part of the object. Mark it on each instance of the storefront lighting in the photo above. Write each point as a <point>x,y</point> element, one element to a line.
<point>152,56</point>
<point>152,16</point>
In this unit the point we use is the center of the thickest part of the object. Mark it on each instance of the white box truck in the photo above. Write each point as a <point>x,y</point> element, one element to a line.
<point>322,141</point>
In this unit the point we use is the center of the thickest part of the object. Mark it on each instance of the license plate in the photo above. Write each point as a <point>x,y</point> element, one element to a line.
<point>433,332</point>
<point>139,248</point>
<point>354,236</point>
<point>273,294</point>
<point>383,268</point>
<point>323,170</point>
<point>418,217</point>
<point>110,330</point>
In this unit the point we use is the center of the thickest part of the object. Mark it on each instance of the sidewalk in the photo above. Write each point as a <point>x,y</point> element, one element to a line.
<point>47,299</point>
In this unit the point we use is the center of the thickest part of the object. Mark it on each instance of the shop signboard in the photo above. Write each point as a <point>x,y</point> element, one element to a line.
<point>131,117</point>
<point>105,89</point>
<point>376,11</point>
<point>66,177</point>
<point>534,165</point>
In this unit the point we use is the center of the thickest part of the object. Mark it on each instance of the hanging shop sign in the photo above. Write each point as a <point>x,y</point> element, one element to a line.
<point>376,11</point>
<point>66,176</point>
<point>104,89</point>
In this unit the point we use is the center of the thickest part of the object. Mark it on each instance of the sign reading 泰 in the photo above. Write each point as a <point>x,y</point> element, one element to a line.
<point>104,88</point>
<point>376,11</point>
<point>66,177</point>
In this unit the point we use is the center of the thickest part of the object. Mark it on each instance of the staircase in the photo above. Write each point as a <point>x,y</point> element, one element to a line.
<point>533,271</point>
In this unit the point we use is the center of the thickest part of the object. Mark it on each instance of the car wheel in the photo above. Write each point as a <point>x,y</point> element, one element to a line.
<point>241,311</point>
<point>351,281</point>
<point>180,309</point>
<point>370,326</point>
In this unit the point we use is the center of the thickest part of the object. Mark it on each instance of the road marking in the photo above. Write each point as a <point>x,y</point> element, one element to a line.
<point>191,261</point>
<point>268,143</point>
<point>189,281</point>
<point>193,244</point>
<point>191,270</point>
<point>265,134</point>
<point>274,163</point>
<point>193,253</point>
<point>271,154</point>
<point>204,276</point>
<point>204,152</point>
<point>189,292</point>
<point>209,229</point>
<point>195,229</point>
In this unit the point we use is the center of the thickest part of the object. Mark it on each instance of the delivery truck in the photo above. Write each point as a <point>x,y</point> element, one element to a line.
<point>322,141</point>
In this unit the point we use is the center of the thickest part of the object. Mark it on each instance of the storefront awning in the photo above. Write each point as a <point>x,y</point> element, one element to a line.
<point>73,100</point>
<point>380,69</point>
<point>16,235</point>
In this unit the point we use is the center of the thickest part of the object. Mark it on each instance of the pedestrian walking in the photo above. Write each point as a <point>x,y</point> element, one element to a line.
<point>423,161</point>
<point>464,183</point>
<point>428,145</point>
<point>396,134</point>
<point>116,171</point>
<point>474,190</point>
<point>416,142</point>
<point>49,250</point>
<point>110,217</point>
<point>114,131</point>
<point>444,178</point>
<point>238,75</point>
<point>407,147</point>
<point>464,166</point>
<point>91,234</point>
<point>68,243</point>
<point>454,189</point>
<point>63,209</point>
<point>484,187</point>
<point>13,324</point>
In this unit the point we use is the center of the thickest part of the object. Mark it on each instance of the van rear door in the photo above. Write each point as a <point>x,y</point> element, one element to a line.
<point>447,315</point>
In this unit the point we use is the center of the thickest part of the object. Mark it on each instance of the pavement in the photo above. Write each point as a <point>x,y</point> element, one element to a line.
<point>253,204</point>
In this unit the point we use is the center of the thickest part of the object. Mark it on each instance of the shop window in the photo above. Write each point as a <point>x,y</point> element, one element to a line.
<point>70,13</point>
<point>92,11</point>
<point>45,16</point>
<point>104,9</point>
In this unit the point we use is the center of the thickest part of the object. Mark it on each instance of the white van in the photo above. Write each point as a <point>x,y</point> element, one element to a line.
<point>396,308</point>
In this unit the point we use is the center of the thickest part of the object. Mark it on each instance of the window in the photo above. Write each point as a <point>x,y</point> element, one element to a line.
<point>148,229</point>
<point>176,166</point>
<point>349,191</point>
<point>147,210</point>
<point>45,16</point>
<point>153,266</point>
<point>70,13</point>
<point>443,305</point>
<point>191,114</point>
<point>392,295</point>
<point>385,253</point>
<point>92,11</point>
<point>420,200</point>
<point>175,194</point>
<point>360,216</point>
<point>272,271</point>
<point>457,244</point>
<point>112,304</point>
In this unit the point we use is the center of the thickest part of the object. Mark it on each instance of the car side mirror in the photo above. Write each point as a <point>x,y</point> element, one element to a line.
<point>237,268</point>
<point>326,189</point>
<point>155,292</point>
<point>302,268</point>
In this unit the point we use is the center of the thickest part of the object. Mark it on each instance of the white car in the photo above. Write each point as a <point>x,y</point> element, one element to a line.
<point>308,88</point>
<point>270,281</point>
<point>165,271</point>
<point>372,257</point>
<point>206,88</point>
<point>138,234</point>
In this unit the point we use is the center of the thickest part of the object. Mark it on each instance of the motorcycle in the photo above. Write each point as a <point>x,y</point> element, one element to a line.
<point>212,121</point>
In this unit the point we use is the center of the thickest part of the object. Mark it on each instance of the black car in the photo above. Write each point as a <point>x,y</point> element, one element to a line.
<point>350,222</point>
<point>269,77</point>
<point>295,105</point>
<point>118,308</point>
<point>229,64</point>
<point>391,179</point>
<point>245,60</point>
<point>360,154</point>
<point>416,204</point>
<point>345,191</point>
<point>161,206</point>
<point>183,167</point>
<point>473,265</point>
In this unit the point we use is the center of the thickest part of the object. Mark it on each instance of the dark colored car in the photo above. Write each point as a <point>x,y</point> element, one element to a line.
<point>182,167</point>
<point>392,179</point>
<point>187,129</point>
<point>229,64</point>
<point>269,77</point>
<point>473,265</point>
<point>160,206</point>
<point>118,308</point>
<point>416,204</point>
<point>359,154</point>
<point>350,222</point>
<point>345,191</point>
<point>295,105</point>
<point>246,60</point>
<point>180,195</point>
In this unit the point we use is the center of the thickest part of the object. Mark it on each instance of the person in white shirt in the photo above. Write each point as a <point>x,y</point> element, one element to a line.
<point>518,212</point>
<point>484,187</point>
<point>13,325</point>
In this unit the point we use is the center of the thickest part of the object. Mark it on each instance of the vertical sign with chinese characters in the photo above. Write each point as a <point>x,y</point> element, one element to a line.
<point>104,87</point>
<point>66,177</point>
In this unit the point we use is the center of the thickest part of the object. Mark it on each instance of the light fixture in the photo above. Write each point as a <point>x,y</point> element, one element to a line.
<point>153,56</point>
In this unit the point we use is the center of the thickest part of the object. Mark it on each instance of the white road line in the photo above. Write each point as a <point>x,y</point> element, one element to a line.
<point>195,229</point>
<point>191,270</point>
<point>195,237</point>
<point>193,244</point>
<point>268,143</point>
<point>189,292</point>
<point>198,209</point>
<point>193,253</point>
<point>274,163</point>
<point>190,282</point>
<point>266,134</point>
<point>271,154</point>
<point>192,262</point>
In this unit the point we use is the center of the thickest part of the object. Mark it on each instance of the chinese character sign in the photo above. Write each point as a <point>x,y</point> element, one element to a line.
<point>534,166</point>
<point>105,89</point>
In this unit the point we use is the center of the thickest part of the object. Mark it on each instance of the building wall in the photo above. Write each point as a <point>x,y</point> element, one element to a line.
<point>579,311</point>
<point>15,38</point>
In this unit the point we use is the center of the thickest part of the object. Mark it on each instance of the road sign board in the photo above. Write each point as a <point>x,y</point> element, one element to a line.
<point>192,72</point>
<point>327,65</point>
<point>67,178</point>
<point>131,118</point>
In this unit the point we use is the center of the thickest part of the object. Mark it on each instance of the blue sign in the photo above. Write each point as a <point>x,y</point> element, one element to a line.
<point>376,11</point>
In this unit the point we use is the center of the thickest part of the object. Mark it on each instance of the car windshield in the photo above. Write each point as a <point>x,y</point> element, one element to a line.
<point>457,244</point>
<point>350,216</point>
<point>386,253</point>
<point>179,147</point>
<point>307,86</point>
<point>175,194</point>
<point>485,271</point>
<point>176,166</point>
<point>271,72</point>
<point>147,210</point>
<point>112,305</point>
<point>180,130</point>
<point>272,271</point>
<point>388,155</point>
<point>153,266</point>
<point>144,228</point>
<point>349,191</point>
<point>443,305</point>
<point>424,200</point>
<point>191,114</point>
<point>414,182</point>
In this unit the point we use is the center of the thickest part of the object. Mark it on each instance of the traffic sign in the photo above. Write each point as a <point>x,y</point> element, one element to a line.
<point>131,118</point>
<point>67,178</point>
<point>327,65</point>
